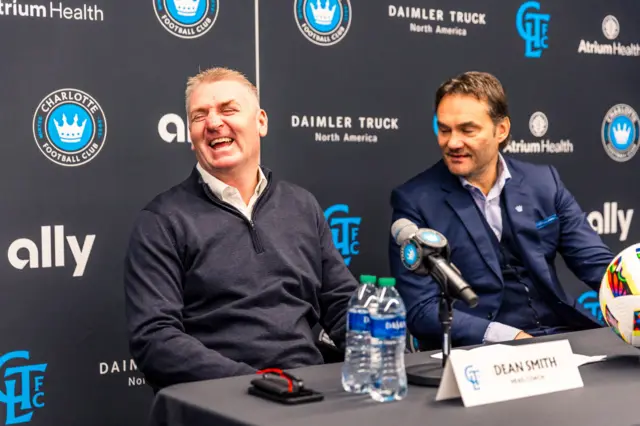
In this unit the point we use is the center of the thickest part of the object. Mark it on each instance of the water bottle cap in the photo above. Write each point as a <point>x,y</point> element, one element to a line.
<point>387,282</point>
<point>367,279</point>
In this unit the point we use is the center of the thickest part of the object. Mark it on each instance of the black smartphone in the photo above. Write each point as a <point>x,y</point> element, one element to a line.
<point>301,397</point>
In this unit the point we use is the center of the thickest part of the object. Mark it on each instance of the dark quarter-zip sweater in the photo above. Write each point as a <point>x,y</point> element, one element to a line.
<point>211,294</point>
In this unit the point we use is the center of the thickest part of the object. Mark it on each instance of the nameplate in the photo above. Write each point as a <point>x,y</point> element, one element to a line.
<point>492,373</point>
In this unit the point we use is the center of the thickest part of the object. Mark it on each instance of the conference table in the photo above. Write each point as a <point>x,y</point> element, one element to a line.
<point>610,397</point>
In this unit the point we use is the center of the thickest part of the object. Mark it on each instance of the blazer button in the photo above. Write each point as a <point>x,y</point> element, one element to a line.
<point>489,316</point>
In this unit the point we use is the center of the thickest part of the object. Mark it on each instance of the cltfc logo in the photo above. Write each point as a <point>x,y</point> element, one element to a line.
<point>69,127</point>
<point>187,18</point>
<point>590,302</point>
<point>324,22</point>
<point>435,124</point>
<point>620,132</point>
<point>532,27</point>
<point>344,230</point>
<point>23,379</point>
<point>471,374</point>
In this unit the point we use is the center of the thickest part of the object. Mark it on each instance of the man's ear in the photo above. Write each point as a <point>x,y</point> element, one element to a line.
<point>503,129</point>
<point>263,123</point>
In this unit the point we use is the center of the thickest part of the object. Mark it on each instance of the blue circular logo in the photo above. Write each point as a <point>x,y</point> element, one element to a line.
<point>69,127</point>
<point>187,18</point>
<point>432,237</point>
<point>410,254</point>
<point>621,132</point>
<point>323,22</point>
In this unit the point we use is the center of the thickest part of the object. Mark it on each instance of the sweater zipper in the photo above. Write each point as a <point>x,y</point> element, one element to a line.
<point>257,243</point>
<point>255,238</point>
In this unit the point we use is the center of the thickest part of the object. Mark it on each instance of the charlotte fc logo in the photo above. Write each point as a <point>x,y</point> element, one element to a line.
<point>435,124</point>
<point>532,27</point>
<point>344,230</point>
<point>323,22</point>
<point>23,381</point>
<point>620,132</point>
<point>69,127</point>
<point>187,18</point>
<point>590,302</point>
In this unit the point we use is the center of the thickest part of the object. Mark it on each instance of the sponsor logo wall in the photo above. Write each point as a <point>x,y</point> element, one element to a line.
<point>348,86</point>
<point>92,103</point>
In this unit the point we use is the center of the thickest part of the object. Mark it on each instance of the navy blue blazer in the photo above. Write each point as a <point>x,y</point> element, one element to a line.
<point>545,218</point>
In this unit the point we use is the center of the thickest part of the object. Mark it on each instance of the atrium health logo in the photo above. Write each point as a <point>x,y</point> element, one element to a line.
<point>532,27</point>
<point>344,230</point>
<point>23,378</point>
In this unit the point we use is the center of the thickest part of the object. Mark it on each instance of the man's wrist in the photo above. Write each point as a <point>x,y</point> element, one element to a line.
<point>498,332</point>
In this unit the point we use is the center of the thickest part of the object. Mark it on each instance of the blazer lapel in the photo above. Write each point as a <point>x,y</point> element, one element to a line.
<point>463,204</point>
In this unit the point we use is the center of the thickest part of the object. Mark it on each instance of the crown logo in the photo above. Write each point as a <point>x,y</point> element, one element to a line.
<point>70,133</point>
<point>186,7</point>
<point>621,134</point>
<point>323,16</point>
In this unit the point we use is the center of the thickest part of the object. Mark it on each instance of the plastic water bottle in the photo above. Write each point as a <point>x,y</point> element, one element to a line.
<point>388,341</point>
<point>356,370</point>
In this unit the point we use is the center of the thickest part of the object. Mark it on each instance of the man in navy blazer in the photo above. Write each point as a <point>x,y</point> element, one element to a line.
<point>505,220</point>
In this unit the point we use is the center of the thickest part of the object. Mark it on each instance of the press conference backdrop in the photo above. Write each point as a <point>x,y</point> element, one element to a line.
<point>93,126</point>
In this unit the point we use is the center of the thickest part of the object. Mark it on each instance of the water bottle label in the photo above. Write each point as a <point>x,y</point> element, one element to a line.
<point>388,328</point>
<point>359,321</point>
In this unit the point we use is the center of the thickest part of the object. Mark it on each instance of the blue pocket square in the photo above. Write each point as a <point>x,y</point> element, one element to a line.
<point>544,222</point>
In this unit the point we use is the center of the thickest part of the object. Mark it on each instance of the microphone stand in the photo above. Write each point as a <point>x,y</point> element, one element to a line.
<point>430,373</point>
<point>445,311</point>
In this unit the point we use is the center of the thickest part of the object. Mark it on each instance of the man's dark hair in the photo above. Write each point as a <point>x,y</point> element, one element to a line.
<point>484,87</point>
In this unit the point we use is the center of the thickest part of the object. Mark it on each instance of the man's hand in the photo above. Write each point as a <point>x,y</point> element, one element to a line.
<point>522,335</point>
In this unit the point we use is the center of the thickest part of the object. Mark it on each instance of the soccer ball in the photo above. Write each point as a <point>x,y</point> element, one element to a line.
<point>620,295</point>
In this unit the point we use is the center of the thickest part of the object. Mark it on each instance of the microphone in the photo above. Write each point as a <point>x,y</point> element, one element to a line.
<point>426,252</point>
<point>403,229</point>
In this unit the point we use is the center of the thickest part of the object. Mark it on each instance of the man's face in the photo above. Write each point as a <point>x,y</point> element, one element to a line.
<point>467,136</point>
<point>225,124</point>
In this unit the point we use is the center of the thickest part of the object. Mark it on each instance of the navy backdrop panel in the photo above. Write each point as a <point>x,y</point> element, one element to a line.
<point>348,86</point>
<point>562,71</point>
<point>135,70</point>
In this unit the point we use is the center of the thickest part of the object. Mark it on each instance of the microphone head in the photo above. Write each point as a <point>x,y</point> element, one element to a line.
<point>402,230</point>
<point>431,238</point>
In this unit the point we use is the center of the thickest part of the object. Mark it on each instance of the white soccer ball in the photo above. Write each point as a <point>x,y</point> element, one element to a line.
<point>620,295</point>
